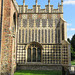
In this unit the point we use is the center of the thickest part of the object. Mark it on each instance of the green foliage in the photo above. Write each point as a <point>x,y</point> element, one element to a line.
<point>38,72</point>
<point>69,40</point>
<point>73,62</point>
<point>72,42</point>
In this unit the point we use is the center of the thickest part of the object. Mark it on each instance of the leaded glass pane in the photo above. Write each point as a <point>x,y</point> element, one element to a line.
<point>38,55</point>
<point>34,54</point>
<point>29,55</point>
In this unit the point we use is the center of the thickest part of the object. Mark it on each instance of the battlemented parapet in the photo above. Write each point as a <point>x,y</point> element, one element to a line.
<point>37,9</point>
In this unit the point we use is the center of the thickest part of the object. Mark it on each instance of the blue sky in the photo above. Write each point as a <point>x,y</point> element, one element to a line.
<point>69,11</point>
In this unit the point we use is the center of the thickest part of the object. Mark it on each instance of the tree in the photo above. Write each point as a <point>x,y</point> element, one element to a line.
<point>73,42</point>
<point>69,40</point>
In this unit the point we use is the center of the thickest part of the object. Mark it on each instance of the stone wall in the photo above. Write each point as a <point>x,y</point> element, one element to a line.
<point>31,26</point>
<point>50,54</point>
<point>0,33</point>
<point>39,67</point>
<point>7,37</point>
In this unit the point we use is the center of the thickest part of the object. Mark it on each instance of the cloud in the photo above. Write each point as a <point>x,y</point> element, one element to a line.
<point>69,2</point>
<point>68,24</point>
<point>70,37</point>
<point>71,29</point>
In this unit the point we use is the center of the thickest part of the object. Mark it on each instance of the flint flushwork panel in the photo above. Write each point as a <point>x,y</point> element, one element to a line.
<point>42,35</point>
<point>26,36</point>
<point>62,31</point>
<point>52,35</point>
<point>64,54</point>
<point>50,22</point>
<point>58,25</point>
<point>21,54</point>
<point>56,22</point>
<point>51,54</point>
<point>48,35</point>
<point>32,35</point>
<point>58,35</point>
<point>19,36</point>
<point>37,22</point>
<point>23,36</point>
<point>55,35</point>
<point>19,22</point>
<point>44,22</point>
<point>36,35</point>
<point>29,35</point>
<point>31,22</point>
<point>45,36</point>
<point>24,22</point>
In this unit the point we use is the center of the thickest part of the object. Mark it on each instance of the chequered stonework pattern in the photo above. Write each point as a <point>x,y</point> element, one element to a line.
<point>51,54</point>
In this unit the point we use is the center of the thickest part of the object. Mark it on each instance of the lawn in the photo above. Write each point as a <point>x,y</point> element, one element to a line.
<point>73,62</point>
<point>36,72</point>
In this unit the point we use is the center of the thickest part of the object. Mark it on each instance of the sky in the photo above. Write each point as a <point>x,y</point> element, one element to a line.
<point>69,11</point>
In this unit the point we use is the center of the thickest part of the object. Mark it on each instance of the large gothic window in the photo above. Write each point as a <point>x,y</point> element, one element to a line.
<point>34,54</point>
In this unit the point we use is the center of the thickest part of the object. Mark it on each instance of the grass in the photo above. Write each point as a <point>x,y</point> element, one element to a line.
<point>37,72</point>
<point>73,62</point>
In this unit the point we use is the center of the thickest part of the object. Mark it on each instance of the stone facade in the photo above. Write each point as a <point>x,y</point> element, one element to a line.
<point>43,32</point>
<point>39,67</point>
<point>7,24</point>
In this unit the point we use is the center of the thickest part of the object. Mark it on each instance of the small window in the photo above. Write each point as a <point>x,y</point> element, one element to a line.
<point>34,54</point>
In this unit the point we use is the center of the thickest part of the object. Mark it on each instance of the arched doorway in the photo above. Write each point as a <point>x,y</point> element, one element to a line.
<point>34,52</point>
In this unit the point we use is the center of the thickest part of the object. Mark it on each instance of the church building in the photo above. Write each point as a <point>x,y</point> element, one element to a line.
<point>32,39</point>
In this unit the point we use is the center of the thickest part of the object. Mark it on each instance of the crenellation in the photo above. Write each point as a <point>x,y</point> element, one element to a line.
<point>37,9</point>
